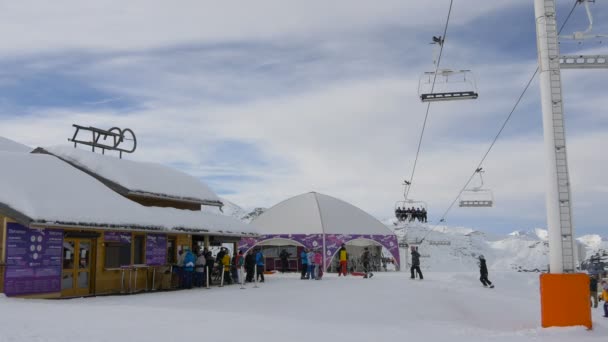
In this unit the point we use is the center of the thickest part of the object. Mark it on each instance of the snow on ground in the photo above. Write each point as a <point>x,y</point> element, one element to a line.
<point>388,307</point>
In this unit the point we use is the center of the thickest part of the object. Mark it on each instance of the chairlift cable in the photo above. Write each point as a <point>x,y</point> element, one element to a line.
<point>428,107</point>
<point>503,125</point>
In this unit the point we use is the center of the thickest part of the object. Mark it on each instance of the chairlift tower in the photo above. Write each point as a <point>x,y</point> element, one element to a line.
<point>559,206</point>
<point>558,198</point>
<point>562,245</point>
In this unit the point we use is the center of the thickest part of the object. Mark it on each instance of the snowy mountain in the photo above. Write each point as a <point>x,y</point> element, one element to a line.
<point>8,145</point>
<point>235,211</point>
<point>457,249</point>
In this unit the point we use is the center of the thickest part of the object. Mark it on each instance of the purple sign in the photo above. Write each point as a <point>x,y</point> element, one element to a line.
<point>33,260</point>
<point>156,249</point>
<point>118,237</point>
<point>313,241</point>
<point>332,242</point>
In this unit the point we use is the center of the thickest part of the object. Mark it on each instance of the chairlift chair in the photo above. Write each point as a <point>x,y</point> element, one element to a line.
<point>477,197</point>
<point>448,85</point>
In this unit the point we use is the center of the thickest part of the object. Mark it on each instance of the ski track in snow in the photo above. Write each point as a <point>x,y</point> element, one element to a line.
<point>443,306</point>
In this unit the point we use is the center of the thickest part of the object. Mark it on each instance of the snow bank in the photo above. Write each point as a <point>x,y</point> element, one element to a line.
<point>138,177</point>
<point>48,190</point>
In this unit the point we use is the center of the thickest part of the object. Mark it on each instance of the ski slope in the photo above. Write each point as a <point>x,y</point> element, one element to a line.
<point>389,307</point>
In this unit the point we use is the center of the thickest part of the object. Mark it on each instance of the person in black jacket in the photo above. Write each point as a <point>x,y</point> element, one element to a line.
<point>416,263</point>
<point>483,270</point>
<point>249,265</point>
<point>284,262</point>
<point>365,259</point>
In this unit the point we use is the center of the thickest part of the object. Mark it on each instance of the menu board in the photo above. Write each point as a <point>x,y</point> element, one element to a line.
<point>156,249</point>
<point>118,237</point>
<point>33,260</point>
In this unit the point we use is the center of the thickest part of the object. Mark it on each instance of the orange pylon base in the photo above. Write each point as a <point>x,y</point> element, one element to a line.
<point>564,300</point>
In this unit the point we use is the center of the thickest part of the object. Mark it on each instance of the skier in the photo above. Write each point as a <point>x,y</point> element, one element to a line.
<point>605,297</point>
<point>483,269</point>
<point>199,269</point>
<point>284,262</point>
<point>318,265</point>
<point>304,258</point>
<point>250,265</point>
<point>259,261</point>
<point>189,262</point>
<point>311,263</point>
<point>343,257</point>
<point>416,263</point>
<point>593,290</point>
<point>365,258</point>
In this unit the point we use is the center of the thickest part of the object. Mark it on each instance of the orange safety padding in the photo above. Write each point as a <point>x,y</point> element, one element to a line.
<point>564,300</point>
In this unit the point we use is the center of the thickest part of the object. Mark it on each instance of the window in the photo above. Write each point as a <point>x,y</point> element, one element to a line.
<point>117,254</point>
<point>171,251</point>
<point>139,249</point>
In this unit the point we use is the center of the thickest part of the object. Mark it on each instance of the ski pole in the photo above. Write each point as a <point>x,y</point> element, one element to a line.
<point>255,275</point>
<point>207,276</point>
<point>241,277</point>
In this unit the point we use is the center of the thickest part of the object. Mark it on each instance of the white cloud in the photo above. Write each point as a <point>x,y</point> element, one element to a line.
<point>351,134</point>
<point>111,24</point>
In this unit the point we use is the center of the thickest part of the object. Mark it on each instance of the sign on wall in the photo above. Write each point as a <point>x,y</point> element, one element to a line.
<point>118,237</point>
<point>33,260</point>
<point>156,249</point>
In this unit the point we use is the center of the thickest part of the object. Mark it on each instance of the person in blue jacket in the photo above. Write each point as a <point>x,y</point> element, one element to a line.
<point>259,262</point>
<point>304,258</point>
<point>189,262</point>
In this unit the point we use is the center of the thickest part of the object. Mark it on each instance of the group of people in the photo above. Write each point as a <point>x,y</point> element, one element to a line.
<point>603,292</point>
<point>312,263</point>
<point>200,269</point>
<point>410,214</point>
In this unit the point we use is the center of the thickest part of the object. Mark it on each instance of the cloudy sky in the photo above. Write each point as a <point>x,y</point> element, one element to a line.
<point>267,99</point>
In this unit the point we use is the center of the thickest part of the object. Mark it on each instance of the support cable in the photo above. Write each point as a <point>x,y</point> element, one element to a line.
<point>428,107</point>
<point>500,130</point>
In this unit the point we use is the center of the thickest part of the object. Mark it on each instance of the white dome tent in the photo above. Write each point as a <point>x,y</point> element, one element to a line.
<point>318,221</point>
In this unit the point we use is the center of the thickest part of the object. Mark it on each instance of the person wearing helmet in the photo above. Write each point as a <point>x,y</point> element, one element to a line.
<point>483,270</point>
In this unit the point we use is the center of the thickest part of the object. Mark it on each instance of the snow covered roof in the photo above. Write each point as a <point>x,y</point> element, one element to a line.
<point>39,189</point>
<point>9,145</point>
<point>314,213</point>
<point>129,177</point>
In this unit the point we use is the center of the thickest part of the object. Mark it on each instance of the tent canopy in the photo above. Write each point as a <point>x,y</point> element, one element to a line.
<point>315,213</point>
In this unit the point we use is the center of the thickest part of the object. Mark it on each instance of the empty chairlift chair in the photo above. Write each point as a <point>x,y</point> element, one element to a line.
<point>477,197</point>
<point>447,85</point>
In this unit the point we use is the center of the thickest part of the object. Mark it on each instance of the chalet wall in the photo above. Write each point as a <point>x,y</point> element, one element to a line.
<point>110,280</point>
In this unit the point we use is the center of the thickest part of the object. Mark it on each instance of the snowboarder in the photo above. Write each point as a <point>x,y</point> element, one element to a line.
<point>483,270</point>
<point>416,263</point>
<point>343,257</point>
<point>365,258</point>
